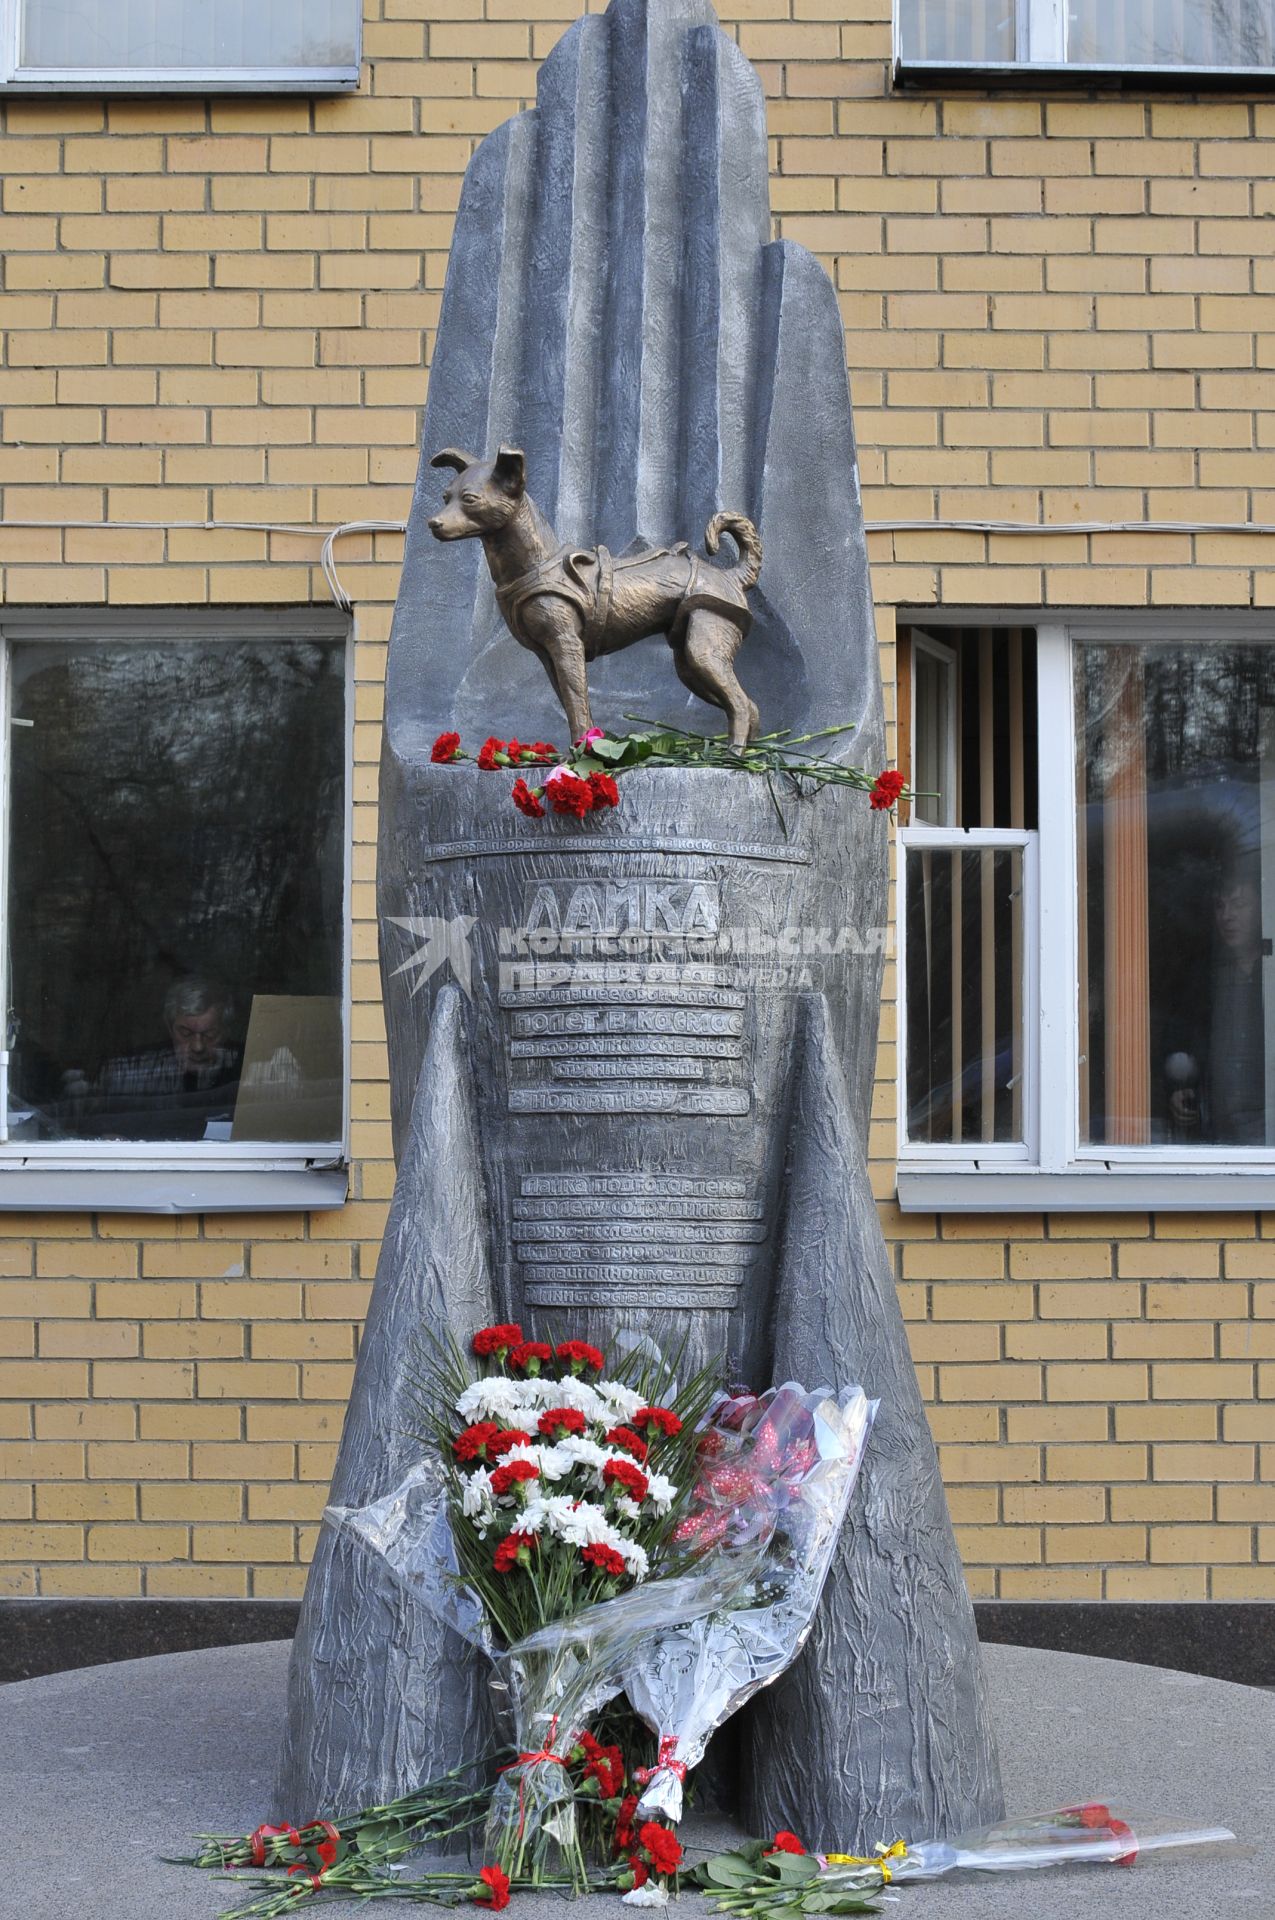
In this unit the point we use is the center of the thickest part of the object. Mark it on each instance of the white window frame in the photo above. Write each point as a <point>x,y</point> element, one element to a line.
<point>15,78</point>
<point>1056,1172</point>
<point>155,1176</point>
<point>1041,42</point>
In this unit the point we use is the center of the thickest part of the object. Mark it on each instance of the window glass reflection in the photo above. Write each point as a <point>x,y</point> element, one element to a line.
<point>1177,872</point>
<point>175,900</point>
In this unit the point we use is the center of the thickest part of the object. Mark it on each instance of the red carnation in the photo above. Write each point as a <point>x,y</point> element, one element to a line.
<point>446,747</point>
<point>624,1823</point>
<point>556,1420</point>
<point>512,1474</point>
<point>1119,1829</point>
<point>623,1474</point>
<point>578,1354</point>
<point>604,790</point>
<point>785,1842</point>
<point>569,794</point>
<point>640,1871</point>
<point>475,1442</point>
<point>664,1848</point>
<point>500,1443</point>
<point>606,1560</point>
<point>530,1357</point>
<point>496,1881</point>
<point>1095,1815</point>
<point>885,790</point>
<point>487,754</point>
<point>541,750</point>
<point>497,1340</point>
<point>628,1442</point>
<point>515,1550</point>
<point>657,1420</point>
<point>526,800</point>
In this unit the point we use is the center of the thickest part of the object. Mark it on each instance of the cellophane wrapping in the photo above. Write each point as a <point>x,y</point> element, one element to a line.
<point>689,1645</point>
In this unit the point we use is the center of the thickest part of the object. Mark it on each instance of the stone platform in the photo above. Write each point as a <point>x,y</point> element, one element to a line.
<point>105,1768</point>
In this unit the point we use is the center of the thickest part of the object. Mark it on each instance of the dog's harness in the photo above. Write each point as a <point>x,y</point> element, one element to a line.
<point>558,576</point>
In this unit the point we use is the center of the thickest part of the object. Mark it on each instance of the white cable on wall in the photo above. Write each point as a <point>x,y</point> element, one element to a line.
<point>330,536</point>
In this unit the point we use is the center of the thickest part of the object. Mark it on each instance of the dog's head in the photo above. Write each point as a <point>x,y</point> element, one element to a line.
<point>484,495</point>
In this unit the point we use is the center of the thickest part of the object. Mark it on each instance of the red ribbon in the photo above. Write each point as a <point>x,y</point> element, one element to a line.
<point>531,1760</point>
<point>664,1762</point>
<point>257,1841</point>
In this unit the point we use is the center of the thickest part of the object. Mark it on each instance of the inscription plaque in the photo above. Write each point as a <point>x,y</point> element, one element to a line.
<point>629,1099</point>
<point>590,993</point>
<point>629,1020</point>
<point>611,1239</point>
<point>629,1067</point>
<point>620,1046</point>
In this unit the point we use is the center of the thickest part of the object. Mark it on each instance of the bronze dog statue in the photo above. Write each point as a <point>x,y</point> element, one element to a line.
<point>570,604</point>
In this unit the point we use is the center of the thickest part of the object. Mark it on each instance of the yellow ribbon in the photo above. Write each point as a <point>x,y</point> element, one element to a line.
<point>879,1859</point>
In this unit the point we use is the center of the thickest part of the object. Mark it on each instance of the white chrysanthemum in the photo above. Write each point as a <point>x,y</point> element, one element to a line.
<point>495,1399</point>
<point>477,1499</point>
<point>622,1401</point>
<point>578,1394</point>
<point>628,1507</point>
<point>661,1492</point>
<point>580,1451</point>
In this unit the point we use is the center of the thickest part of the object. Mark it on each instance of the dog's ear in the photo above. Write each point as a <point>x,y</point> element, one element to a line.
<point>509,470</point>
<point>453,457</point>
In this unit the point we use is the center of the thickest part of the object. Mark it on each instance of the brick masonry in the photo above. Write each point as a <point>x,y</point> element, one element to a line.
<point>223,309</point>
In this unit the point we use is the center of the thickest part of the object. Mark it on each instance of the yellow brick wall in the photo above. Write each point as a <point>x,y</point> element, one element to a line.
<point>223,309</point>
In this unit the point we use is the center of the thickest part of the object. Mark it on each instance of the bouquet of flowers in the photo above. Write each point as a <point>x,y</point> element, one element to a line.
<point>588,1526</point>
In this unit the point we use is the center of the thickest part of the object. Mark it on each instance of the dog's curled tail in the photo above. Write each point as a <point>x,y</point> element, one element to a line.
<point>746,538</point>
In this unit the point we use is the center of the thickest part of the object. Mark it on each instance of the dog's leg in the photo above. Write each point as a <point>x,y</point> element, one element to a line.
<point>553,629</point>
<point>705,663</point>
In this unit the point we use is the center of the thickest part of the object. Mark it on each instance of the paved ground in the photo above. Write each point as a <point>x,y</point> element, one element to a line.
<point>105,1768</point>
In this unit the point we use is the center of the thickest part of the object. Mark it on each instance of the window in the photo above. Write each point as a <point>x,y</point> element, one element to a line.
<point>1144,38</point>
<point>174,880</point>
<point>175,46</point>
<point>1087,881</point>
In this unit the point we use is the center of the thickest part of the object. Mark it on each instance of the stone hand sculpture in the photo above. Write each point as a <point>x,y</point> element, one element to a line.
<point>615,1106</point>
<point>569,604</point>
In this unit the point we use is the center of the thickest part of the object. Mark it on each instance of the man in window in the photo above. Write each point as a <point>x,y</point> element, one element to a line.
<point>175,1091</point>
<point>1221,1090</point>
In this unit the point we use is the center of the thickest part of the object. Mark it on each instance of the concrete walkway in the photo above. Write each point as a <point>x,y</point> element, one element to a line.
<point>105,1768</point>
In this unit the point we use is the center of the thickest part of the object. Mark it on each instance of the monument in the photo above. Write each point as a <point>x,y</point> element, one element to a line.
<point>632,1054</point>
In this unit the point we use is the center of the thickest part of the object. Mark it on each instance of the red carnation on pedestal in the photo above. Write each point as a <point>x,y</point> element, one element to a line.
<point>445,748</point>
<point>604,790</point>
<point>785,1842</point>
<point>568,793</point>
<point>526,800</point>
<point>487,754</point>
<point>885,790</point>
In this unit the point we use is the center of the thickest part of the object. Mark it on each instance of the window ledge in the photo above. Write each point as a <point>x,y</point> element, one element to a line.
<point>1037,77</point>
<point>139,1190</point>
<point>1001,1189</point>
